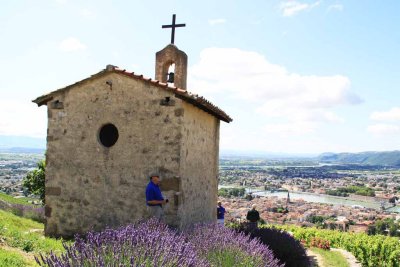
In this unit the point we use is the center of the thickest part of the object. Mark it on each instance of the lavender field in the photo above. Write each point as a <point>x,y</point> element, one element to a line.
<point>33,212</point>
<point>150,243</point>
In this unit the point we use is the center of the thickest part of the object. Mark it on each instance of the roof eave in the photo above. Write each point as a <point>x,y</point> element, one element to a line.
<point>42,100</point>
<point>199,102</point>
<point>223,117</point>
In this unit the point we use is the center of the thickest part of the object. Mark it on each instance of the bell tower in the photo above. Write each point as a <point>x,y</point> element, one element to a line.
<point>168,57</point>
<point>171,63</point>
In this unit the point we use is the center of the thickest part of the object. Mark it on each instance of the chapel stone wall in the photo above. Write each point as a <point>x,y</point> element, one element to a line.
<point>89,186</point>
<point>199,166</point>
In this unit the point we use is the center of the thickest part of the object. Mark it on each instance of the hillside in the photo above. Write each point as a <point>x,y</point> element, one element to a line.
<point>21,239</point>
<point>386,158</point>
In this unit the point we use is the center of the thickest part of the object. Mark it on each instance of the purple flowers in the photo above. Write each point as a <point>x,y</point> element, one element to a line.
<point>224,247</point>
<point>35,213</point>
<point>151,243</point>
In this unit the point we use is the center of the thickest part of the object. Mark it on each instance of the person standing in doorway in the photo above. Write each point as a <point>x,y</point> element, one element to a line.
<point>154,198</point>
<point>220,214</point>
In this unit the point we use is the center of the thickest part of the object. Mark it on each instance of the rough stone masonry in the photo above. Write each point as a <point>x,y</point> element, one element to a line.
<point>108,132</point>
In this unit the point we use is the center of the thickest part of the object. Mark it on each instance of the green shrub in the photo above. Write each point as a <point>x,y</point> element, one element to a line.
<point>34,181</point>
<point>231,192</point>
<point>371,251</point>
<point>287,249</point>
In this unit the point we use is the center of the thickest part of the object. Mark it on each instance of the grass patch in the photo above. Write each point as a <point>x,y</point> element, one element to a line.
<point>13,200</point>
<point>331,258</point>
<point>26,234</point>
<point>229,258</point>
<point>13,259</point>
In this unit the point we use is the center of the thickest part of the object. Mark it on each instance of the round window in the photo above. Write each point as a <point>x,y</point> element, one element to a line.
<point>108,135</point>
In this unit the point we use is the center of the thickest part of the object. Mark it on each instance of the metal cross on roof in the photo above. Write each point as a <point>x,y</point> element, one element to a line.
<point>173,26</point>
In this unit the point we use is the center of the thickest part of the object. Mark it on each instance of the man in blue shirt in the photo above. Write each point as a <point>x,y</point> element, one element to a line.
<point>220,214</point>
<point>154,198</point>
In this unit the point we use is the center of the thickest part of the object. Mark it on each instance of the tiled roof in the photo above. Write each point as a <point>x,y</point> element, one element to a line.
<point>193,99</point>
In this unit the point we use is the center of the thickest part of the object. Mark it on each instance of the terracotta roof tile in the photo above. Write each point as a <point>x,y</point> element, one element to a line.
<point>193,99</point>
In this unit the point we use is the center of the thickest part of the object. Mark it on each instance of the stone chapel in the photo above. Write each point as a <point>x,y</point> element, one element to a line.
<point>108,132</point>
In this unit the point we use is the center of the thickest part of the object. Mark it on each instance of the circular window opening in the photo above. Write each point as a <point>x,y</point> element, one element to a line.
<point>108,135</point>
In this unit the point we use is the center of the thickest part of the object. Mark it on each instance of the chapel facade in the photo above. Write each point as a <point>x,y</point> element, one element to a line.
<point>108,132</point>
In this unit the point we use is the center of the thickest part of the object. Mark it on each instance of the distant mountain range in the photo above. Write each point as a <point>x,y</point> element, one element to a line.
<point>24,144</point>
<point>263,154</point>
<point>384,158</point>
<point>25,150</point>
<point>8,141</point>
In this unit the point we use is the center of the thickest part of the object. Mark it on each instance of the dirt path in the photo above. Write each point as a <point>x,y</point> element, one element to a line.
<point>315,258</point>
<point>40,231</point>
<point>353,262</point>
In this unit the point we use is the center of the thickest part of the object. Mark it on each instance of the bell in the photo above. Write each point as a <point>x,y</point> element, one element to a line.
<point>170,77</point>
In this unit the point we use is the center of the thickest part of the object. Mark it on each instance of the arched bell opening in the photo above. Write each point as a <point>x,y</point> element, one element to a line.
<point>171,73</point>
<point>168,72</point>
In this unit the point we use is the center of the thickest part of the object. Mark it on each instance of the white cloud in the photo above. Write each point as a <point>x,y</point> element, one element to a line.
<point>291,8</point>
<point>257,21</point>
<point>213,22</point>
<point>384,129</point>
<point>71,44</point>
<point>22,118</point>
<point>135,68</point>
<point>391,115</point>
<point>292,128</point>
<point>87,13</point>
<point>280,138</point>
<point>270,89</point>
<point>390,122</point>
<point>337,7</point>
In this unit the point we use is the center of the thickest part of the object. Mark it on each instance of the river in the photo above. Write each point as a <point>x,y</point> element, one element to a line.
<point>318,198</point>
<point>311,197</point>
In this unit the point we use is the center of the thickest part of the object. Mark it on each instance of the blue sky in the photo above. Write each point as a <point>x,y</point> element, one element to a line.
<point>296,76</point>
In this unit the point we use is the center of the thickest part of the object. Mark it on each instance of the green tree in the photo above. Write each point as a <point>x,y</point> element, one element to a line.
<point>34,181</point>
<point>372,230</point>
<point>393,229</point>
<point>231,192</point>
